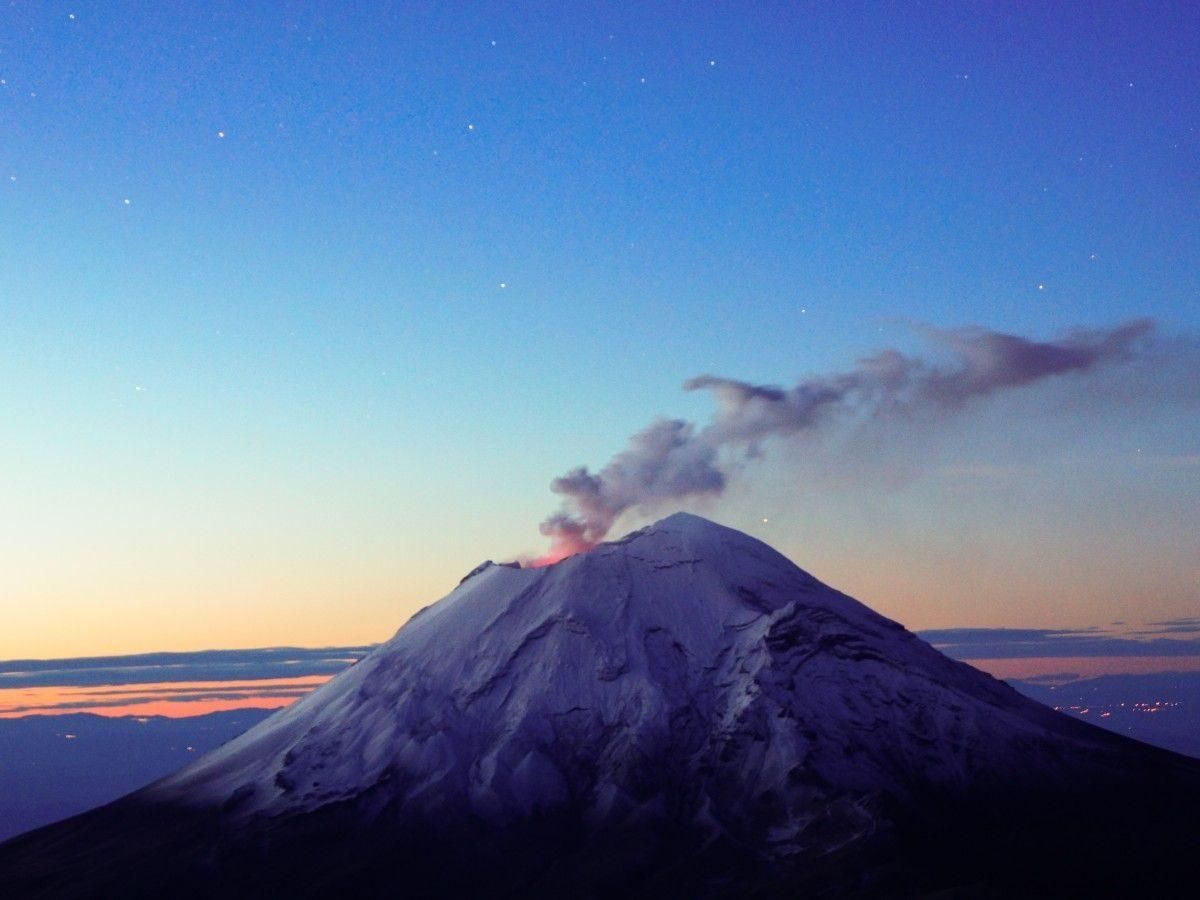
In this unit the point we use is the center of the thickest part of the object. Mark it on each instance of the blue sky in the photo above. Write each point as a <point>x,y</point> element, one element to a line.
<point>303,308</point>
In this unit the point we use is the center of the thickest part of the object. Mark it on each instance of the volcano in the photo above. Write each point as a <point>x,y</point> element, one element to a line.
<point>680,713</point>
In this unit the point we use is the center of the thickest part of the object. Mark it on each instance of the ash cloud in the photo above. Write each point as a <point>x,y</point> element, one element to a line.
<point>666,460</point>
<point>673,459</point>
<point>991,361</point>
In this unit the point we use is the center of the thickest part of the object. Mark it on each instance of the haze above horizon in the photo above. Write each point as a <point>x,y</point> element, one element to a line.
<point>304,309</point>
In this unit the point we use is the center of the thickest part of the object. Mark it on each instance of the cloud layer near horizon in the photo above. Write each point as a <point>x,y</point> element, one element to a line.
<point>158,668</point>
<point>1174,638</point>
<point>673,459</point>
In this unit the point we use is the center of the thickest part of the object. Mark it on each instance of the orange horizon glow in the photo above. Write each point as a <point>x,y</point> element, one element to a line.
<point>185,699</point>
<point>175,699</point>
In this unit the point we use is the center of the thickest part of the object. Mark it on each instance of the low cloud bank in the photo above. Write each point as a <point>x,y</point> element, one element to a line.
<point>152,668</point>
<point>1034,643</point>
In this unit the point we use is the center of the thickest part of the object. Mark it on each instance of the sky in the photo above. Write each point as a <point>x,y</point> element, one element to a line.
<point>303,308</point>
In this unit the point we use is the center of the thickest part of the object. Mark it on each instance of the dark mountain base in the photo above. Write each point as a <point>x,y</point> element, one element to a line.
<point>1107,843</point>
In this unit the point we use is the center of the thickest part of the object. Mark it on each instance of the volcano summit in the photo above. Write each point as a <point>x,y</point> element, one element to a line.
<point>680,713</point>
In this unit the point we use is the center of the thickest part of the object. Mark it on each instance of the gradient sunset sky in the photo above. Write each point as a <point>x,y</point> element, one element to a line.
<point>302,306</point>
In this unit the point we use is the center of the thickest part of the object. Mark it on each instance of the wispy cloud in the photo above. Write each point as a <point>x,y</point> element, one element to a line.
<point>1190,625</point>
<point>1031,643</point>
<point>206,665</point>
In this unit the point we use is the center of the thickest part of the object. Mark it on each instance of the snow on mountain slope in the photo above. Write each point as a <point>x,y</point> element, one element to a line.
<point>681,713</point>
<point>685,663</point>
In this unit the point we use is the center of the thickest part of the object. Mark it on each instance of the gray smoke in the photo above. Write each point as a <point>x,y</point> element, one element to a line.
<point>673,460</point>
<point>990,361</point>
<point>666,460</point>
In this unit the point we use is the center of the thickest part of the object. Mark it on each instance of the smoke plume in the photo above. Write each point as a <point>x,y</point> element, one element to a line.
<point>672,459</point>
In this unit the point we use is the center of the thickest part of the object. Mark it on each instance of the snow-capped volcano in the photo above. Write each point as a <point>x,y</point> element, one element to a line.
<point>528,689</point>
<point>681,712</point>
